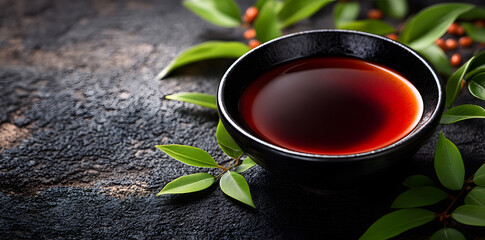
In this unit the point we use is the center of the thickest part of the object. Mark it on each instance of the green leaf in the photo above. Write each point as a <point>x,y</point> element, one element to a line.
<point>226,143</point>
<point>418,181</point>
<point>419,197</point>
<point>430,24</point>
<point>462,112</point>
<point>394,8</point>
<point>190,183</point>
<point>448,164</point>
<point>476,33</point>
<point>266,24</point>
<point>297,10</point>
<point>476,196</point>
<point>479,178</point>
<point>201,99</point>
<point>370,25</point>
<point>222,13</point>
<point>345,12</point>
<point>477,86</point>
<point>438,58</point>
<point>477,65</point>
<point>234,185</point>
<point>476,13</point>
<point>447,234</point>
<point>453,86</point>
<point>189,155</point>
<point>470,215</point>
<point>260,3</point>
<point>204,51</point>
<point>245,165</point>
<point>397,222</point>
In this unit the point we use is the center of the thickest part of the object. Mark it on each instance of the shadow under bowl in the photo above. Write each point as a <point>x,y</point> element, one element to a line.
<point>316,170</point>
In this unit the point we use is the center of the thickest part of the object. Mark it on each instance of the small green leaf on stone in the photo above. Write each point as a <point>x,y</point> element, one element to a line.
<point>479,178</point>
<point>190,183</point>
<point>448,164</point>
<point>294,11</point>
<point>189,155</point>
<point>462,112</point>
<point>201,99</point>
<point>430,24</point>
<point>266,25</point>
<point>470,215</point>
<point>222,13</point>
<point>476,33</point>
<point>234,185</point>
<point>226,143</point>
<point>370,25</point>
<point>418,181</point>
<point>345,12</point>
<point>477,86</point>
<point>394,8</point>
<point>447,234</point>
<point>245,165</point>
<point>419,197</point>
<point>438,58</point>
<point>476,196</point>
<point>204,51</point>
<point>397,222</point>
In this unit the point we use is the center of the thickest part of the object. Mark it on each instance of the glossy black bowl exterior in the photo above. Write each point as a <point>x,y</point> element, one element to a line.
<point>309,169</point>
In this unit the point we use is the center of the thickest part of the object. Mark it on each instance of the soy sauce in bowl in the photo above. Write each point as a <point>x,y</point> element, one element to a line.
<point>331,106</point>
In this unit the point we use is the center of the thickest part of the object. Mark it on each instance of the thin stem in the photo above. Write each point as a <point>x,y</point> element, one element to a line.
<point>466,188</point>
<point>238,162</point>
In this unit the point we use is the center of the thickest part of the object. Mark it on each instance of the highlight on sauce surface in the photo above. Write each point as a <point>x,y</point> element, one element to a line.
<point>331,106</point>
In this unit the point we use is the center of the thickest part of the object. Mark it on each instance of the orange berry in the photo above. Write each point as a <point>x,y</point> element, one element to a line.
<point>462,83</point>
<point>250,33</point>
<point>455,60</point>
<point>441,43</point>
<point>374,14</point>
<point>253,43</point>
<point>460,30</point>
<point>450,44</point>
<point>465,41</point>
<point>452,28</point>
<point>250,14</point>
<point>392,36</point>
<point>480,23</point>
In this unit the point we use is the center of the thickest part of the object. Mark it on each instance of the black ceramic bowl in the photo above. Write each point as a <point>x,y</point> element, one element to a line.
<point>328,170</point>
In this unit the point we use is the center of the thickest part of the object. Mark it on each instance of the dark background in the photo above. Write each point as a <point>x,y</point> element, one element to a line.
<point>81,112</point>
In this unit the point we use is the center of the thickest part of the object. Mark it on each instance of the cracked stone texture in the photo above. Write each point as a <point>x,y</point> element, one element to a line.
<point>81,112</point>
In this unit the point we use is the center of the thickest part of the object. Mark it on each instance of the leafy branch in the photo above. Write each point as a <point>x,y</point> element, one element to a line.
<point>231,182</point>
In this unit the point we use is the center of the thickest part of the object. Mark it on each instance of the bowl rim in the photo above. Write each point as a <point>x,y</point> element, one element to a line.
<point>323,157</point>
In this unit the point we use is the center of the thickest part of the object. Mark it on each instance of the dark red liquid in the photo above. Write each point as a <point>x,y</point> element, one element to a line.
<point>331,106</point>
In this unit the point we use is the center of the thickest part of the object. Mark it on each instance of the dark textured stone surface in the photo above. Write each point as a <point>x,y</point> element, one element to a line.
<point>81,112</point>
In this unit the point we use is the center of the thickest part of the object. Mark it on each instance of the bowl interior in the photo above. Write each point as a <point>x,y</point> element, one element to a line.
<point>329,43</point>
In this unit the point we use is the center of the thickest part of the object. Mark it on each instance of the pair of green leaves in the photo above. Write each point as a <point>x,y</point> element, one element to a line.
<point>232,183</point>
<point>471,71</point>
<point>346,13</point>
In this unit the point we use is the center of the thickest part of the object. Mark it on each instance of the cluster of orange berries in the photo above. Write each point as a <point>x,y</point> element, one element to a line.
<point>446,45</point>
<point>451,44</point>
<point>250,34</point>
